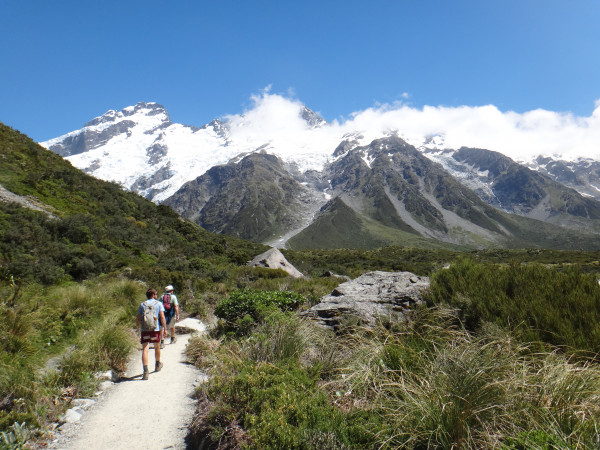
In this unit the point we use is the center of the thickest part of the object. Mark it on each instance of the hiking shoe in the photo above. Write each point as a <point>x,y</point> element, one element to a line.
<point>173,340</point>
<point>162,344</point>
<point>145,376</point>
<point>159,366</point>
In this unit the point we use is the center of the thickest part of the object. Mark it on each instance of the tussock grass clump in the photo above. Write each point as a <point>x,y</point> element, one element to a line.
<point>91,323</point>
<point>281,337</point>
<point>202,351</point>
<point>267,384</point>
<point>107,346</point>
<point>440,386</point>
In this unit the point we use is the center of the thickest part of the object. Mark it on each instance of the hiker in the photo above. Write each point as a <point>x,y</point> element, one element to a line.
<point>171,305</point>
<point>150,318</point>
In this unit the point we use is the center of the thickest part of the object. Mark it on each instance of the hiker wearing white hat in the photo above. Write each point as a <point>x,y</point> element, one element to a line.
<point>171,304</point>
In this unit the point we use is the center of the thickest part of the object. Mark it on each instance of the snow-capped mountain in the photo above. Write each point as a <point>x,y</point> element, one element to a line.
<point>583,174</point>
<point>205,173</point>
<point>141,149</point>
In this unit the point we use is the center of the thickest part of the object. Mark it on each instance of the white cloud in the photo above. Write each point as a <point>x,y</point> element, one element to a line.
<point>521,136</point>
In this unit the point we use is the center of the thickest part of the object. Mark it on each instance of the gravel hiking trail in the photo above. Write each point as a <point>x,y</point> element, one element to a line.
<point>137,414</point>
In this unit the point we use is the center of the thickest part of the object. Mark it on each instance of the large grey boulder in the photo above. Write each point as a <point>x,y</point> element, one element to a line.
<point>274,259</point>
<point>371,297</point>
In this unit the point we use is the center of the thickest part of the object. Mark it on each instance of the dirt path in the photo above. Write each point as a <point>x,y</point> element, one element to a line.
<point>137,414</point>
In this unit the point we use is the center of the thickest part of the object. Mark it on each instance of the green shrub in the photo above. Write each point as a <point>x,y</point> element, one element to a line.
<point>312,289</point>
<point>537,302</point>
<point>244,307</point>
<point>278,407</point>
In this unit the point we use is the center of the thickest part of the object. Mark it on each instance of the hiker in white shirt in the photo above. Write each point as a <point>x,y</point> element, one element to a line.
<point>171,305</point>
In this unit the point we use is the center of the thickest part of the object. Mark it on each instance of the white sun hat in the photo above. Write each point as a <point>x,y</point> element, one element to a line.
<point>169,288</point>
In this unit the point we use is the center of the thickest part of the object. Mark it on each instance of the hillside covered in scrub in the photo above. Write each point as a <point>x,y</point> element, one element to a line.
<point>93,227</point>
<point>504,354</point>
<point>76,256</point>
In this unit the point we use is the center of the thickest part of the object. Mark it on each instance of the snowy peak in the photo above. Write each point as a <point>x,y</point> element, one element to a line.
<point>581,174</point>
<point>136,113</point>
<point>410,180</point>
<point>313,119</point>
<point>98,132</point>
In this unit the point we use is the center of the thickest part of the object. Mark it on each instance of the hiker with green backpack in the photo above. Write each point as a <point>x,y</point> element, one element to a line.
<point>151,315</point>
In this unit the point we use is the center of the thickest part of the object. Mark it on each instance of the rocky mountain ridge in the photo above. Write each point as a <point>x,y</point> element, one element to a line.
<point>272,186</point>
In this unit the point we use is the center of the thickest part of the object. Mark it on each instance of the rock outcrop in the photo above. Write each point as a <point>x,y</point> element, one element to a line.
<point>371,297</point>
<point>274,259</point>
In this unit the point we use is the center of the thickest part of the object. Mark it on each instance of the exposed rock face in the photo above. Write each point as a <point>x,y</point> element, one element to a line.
<point>27,202</point>
<point>274,259</point>
<point>583,175</point>
<point>255,197</point>
<point>514,188</point>
<point>372,296</point>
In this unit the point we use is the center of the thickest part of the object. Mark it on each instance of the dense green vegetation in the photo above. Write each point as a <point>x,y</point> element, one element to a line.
<point>504,356</point>
<point>353,262</point>
<point>41,323</point>
<point>97,227</point>
<point>537,303</point>
<point>244,307</point>
<point>424,383</point>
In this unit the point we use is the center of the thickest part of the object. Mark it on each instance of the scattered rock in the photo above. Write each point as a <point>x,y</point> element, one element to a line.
<point>191,326</point>
<point>370,297</point>
<point>202,379</point>
<point>108,375</point>
<point>72,415</point>
<point>83,403</point>
<point>28,202</point>
<point>274,259</point>
<point>329,274</point>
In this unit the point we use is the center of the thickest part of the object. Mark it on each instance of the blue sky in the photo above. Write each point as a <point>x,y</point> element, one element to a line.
<point>65,62</point>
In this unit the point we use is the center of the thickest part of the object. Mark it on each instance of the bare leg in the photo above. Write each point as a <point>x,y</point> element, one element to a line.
<point>145,346</point>
<point>157,352</point>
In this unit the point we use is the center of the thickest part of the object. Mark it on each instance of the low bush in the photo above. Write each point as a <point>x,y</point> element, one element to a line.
<point>244,308</point>
<point>538,303</point>
<point>280,406</point>
<point>312,289</point>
